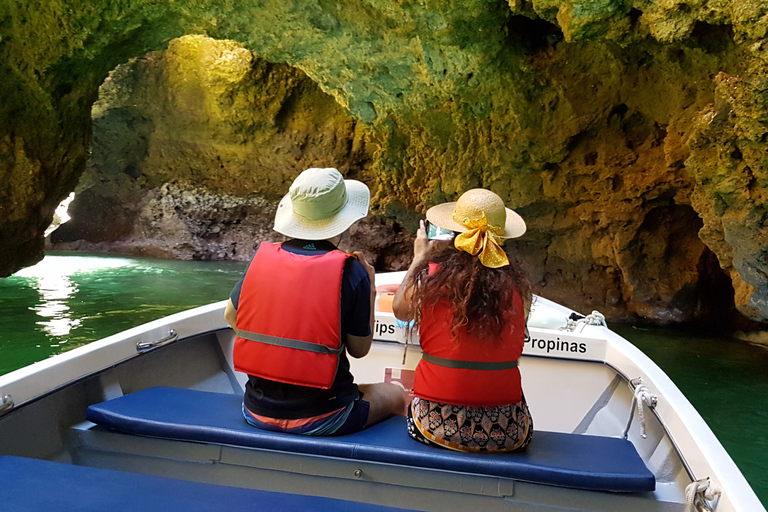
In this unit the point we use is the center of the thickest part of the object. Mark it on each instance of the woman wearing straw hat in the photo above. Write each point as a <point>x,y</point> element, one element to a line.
<point>470,304</point>
<point>300,308</point>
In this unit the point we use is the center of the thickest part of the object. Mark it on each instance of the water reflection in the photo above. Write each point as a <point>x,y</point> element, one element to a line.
<point>96,296</point>
<point>55,291</point>
<point>52,278</point>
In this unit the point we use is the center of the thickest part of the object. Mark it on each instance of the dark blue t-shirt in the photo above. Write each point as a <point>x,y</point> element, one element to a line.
<point>288,401</point>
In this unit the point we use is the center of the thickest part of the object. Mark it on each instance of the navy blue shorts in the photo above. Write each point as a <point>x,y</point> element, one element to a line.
<point>357,418</point>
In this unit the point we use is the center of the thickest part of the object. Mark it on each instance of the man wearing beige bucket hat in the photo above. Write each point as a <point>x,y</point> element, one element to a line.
<point>300,308</point>
<point>469,300</point>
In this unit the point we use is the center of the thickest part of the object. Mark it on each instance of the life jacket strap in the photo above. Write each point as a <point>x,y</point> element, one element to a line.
<point>288,342</point>
<point>469,365</point>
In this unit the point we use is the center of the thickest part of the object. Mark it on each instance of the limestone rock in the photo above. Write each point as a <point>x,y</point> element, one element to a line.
<point>193,146</point>
<point>628,134</point>
<point>730,167</point>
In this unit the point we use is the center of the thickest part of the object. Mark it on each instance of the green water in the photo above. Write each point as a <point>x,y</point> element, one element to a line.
<point>66,301</point>
<point>726,380</point>
<point>69,300</point>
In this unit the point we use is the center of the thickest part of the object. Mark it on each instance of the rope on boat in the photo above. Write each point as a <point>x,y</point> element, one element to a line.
<point>641,396</point>
<point>698,493</point>
<point>594,318</point>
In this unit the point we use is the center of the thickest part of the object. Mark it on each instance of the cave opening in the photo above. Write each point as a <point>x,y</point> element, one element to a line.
<point>192,147</point>
<point>532,35</point>
<point>678,279</point>
<point>60,215</point>
<point>669,250</point>
<point>717,309</point>
<point>619,111</point>
<point>711,38</point>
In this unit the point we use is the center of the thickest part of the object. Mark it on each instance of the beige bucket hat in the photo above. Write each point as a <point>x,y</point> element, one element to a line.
<point>321,204</point>
<point>471,206</point>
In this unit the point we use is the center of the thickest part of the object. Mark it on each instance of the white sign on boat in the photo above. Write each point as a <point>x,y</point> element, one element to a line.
<point>564,345</point>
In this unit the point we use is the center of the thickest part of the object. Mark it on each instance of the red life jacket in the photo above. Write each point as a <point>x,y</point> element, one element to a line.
<point>472,371</point>
<point>289,317</point>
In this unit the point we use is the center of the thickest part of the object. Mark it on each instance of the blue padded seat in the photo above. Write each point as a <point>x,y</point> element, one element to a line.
<point>35,485</point>
<point>567,460</point>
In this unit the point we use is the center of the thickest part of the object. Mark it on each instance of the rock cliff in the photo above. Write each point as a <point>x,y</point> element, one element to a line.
<point>629,134</point>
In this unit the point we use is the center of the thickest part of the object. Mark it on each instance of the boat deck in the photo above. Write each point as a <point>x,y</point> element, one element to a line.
<point>43,486</point>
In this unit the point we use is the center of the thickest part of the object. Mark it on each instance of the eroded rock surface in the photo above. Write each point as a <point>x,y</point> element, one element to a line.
<point>193,147</point>
<point>729,165</point>
<point>628,134</point>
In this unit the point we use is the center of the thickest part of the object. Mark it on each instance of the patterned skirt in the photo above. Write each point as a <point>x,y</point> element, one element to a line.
<point>501,428</point>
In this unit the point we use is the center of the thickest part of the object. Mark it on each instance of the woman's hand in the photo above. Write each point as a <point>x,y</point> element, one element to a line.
<point>422,246</point>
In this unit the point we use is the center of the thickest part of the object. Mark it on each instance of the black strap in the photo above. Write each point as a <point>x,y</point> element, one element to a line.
<point>288,343</point>
<point>469,365</point>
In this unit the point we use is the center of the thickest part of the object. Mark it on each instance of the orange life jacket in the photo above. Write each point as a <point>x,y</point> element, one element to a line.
<point>289,317</point>
<point>471,371</point>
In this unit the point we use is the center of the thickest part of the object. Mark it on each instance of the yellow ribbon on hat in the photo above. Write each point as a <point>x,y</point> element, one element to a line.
<point>481,239</point>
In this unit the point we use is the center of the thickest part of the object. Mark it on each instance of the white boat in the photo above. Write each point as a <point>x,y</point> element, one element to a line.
<point>149,419</point>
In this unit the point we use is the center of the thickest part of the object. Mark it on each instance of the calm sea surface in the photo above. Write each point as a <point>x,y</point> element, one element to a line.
<point>66,301</point>
<point>69,300</point>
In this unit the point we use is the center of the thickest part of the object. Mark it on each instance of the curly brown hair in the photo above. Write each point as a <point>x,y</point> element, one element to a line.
<point>481,296</point>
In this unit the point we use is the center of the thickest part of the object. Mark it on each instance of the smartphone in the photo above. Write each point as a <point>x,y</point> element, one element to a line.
<point>438,233</point>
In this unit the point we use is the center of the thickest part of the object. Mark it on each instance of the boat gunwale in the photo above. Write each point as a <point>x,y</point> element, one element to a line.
<point>24,385</point>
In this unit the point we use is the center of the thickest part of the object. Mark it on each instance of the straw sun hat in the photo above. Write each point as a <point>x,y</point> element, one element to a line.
<point>321,204</point>
<point>471,206</point>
